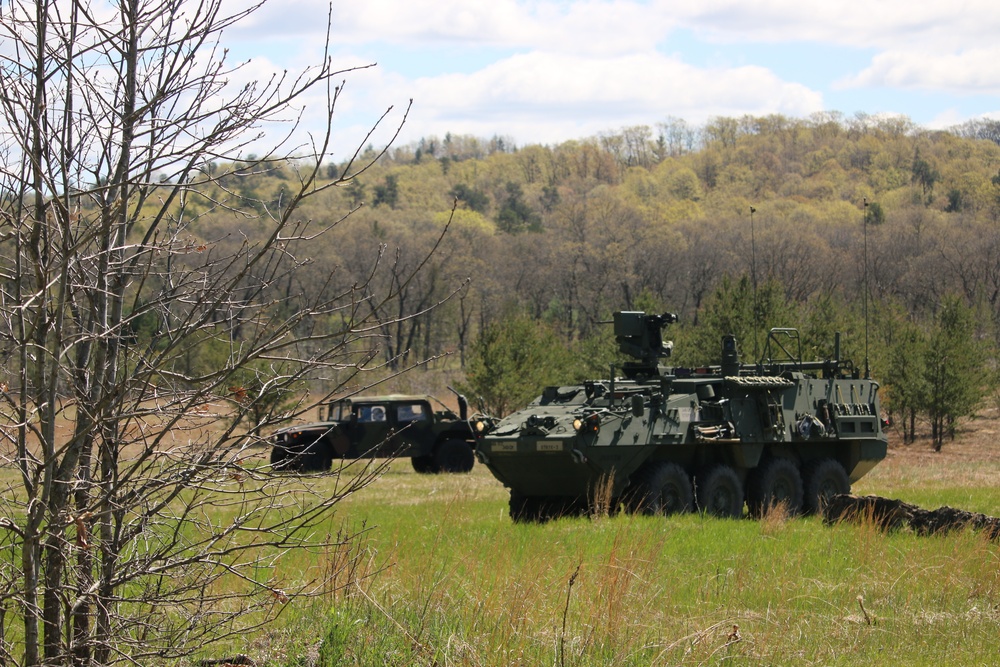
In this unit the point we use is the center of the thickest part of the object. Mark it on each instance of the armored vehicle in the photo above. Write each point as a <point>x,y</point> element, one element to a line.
<point>663,439</point>
<point>380,426</point>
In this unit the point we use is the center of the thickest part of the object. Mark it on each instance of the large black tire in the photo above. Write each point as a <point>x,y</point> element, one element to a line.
<point>279,458</point>
<point>663,488</point>
<point>720,492</point>
<point>454,456</point>
<point>424,464</point>
<point>318,457</point>
<point>525,508</point>
<point>541,508</point>
<point>775,482</point>
<point>286,461</point>
<point>824,479</point>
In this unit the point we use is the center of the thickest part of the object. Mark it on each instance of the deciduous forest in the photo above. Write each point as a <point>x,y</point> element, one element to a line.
<point>737,226</point>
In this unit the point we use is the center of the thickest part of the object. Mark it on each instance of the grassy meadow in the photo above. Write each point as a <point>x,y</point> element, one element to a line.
<point>445,578</point>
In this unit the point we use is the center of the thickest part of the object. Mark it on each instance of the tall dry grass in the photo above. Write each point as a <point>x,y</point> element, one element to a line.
<point>471,588</point>
<point>439,575</point>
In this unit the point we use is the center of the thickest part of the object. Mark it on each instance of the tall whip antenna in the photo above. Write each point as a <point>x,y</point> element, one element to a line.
<point>753,282</point>
<point>868,370</point>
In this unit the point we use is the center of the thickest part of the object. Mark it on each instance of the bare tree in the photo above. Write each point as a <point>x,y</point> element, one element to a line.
<point>137,520</point>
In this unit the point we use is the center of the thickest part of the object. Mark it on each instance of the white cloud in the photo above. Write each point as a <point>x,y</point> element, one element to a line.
<point>549,98</point>
<point>947,118</point>
<point>565,69</point>
<point>967,71</point>
<point>602,26</point>
<point>882,24</point>
<point>592,26</point>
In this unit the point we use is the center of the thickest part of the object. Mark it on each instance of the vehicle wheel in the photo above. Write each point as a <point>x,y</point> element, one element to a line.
<point>424,464</point>
<point>454,456</point>
<point>279,458</point>
<point>525,508</point>
<point>665,489</point>
<point>317,458</point>
<point>775,482</point>
<point>720,492</point>
<point>542,508</point>
<point>824,479</point>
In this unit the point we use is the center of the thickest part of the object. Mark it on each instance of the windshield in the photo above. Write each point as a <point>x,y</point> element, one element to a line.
<point>338,411</point>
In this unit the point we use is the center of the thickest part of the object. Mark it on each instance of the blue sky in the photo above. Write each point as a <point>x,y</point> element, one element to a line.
<point>551,71</point>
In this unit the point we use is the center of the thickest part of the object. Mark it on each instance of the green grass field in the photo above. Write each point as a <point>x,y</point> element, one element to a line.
<point>451,581</point>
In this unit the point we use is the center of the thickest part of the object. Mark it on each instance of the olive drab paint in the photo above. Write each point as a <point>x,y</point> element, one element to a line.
<point>662,439</point>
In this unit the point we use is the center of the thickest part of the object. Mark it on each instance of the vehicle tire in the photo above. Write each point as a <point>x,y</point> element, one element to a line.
<point>775,482</point>
<point>824,479</point>
<point>318,457</point>
<point>539,509</point>
<point>664,488</point>
<point>454,456</point>
<point>423,464</point>
<point>720,492</point>
<point>525,508</point>
<point>279,458</point>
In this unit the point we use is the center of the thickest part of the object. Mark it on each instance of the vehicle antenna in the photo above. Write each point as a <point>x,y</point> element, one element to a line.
<point>868,373</point>
<point>753,282</point>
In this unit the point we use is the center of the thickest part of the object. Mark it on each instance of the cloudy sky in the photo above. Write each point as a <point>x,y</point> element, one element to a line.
<point>552,70</point>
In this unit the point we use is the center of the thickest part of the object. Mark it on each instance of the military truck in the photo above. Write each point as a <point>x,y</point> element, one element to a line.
<point>380,426</point>
<point>661,439</point>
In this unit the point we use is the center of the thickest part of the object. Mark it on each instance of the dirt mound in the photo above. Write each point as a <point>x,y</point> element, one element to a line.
<point>890,514</point>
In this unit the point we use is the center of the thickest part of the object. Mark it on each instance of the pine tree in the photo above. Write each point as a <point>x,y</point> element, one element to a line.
<point>512,361</point>
<point>906,373</point>
<point>953,370</point>
<point>731,310</point>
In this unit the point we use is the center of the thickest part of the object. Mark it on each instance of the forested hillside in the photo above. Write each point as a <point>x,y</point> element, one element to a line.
<point>701,221</point>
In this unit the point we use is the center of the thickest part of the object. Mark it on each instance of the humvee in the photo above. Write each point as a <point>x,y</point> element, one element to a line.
<point>380,427</point>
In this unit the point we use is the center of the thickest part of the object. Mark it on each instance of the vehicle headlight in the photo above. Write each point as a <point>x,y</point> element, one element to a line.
<point>588,424</point>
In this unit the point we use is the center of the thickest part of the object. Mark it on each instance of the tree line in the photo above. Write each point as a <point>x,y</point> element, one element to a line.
<point>833,214</point>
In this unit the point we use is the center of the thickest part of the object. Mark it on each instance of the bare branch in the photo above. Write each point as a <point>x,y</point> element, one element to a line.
<point>153,332</point>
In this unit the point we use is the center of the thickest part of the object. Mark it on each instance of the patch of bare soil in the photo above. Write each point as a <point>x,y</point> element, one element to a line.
<point>971,459</point>
<point>975,439</point>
